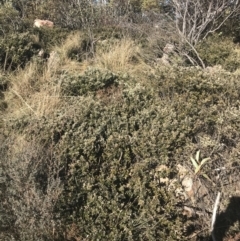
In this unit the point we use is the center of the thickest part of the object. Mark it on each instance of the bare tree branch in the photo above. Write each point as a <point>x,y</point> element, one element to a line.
<point>196,19</point>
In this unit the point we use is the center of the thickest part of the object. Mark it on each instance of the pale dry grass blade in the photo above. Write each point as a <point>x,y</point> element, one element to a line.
<point>33,92</point>
<point>45,103</point>
<point>72,41</point>
<point>24,80</point>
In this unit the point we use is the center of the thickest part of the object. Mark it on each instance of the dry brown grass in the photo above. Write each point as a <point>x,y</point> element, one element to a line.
<point>73,41</point>
<point>32,92</point>
<point>25,81</point>
<point>120,56</point>
<point>35,90</point>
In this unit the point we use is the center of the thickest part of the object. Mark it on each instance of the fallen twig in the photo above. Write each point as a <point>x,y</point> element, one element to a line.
<point>214,215</point>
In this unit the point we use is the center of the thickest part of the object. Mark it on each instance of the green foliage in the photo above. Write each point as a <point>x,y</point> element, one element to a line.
<point>198,165</point>
<point>110,152</point>
<point>217,50</point>
<point>196,162</point>
<point>10,20</point>
<point>136,5</point>
<point>17,51</point>
<point>90,169</point>
<point>49,37</point>
<point>75,15</point>
<point>91,80</point>
<point>20,47</point>
<point>107,152</point>
<point>214,50</point>
<point>150,4</point>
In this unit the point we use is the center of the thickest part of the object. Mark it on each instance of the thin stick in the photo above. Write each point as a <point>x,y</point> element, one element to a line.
<point>21,98</point>
<point>214,215</point>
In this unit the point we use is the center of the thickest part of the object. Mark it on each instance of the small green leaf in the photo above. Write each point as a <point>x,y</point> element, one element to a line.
<point>206,176</point>
<point>197,169</point>
<point>204,161</point>
<point>197,156</point>
<point>195,164</point>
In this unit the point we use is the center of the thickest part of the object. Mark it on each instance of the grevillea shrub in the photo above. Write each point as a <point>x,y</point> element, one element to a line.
<point>111,135</point>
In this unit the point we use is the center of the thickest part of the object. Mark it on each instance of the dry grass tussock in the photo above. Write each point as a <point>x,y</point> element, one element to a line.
<point>60,56</point>
<point>73,42</point>
<point>120,56</point>
<point>33,91</point>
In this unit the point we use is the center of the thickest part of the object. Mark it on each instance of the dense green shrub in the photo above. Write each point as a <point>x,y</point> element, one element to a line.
<point>21,47</point>
<point>110,152</point>
<point>213,51</point>
<point>10,21</point>
<point>92,80</point>
<point>17,50</point>
<point>49,37</point>
<point>108,139</point>
<point>218,50</point>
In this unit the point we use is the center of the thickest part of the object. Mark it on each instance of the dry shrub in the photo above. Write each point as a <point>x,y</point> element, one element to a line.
<point>110,155</point>
<point>30,175</point>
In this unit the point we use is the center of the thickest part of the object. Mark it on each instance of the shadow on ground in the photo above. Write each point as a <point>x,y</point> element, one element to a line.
<point>226,220</point>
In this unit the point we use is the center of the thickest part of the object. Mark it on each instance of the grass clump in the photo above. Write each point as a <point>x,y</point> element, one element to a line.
<point>118,55</point>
